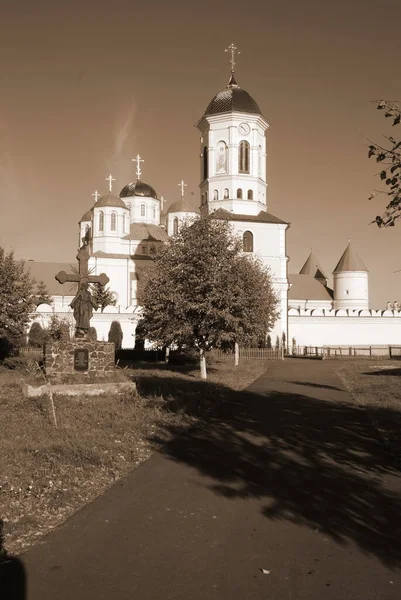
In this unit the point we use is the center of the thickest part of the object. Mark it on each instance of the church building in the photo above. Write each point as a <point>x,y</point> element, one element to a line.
<point>125,230</point>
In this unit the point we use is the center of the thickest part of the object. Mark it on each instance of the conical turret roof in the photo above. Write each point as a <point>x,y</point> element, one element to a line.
<point>350,261</point>
<point>312,267</point>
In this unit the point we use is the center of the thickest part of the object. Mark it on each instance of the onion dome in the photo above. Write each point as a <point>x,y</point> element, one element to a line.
<point>110,200</point>
<point>232,98</point>
<point>139,188</point>
<point>182,205</point>
<point>350,261</point>
<point>87,216</point>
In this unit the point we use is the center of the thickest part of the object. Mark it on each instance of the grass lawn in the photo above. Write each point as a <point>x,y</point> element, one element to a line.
<point>46,474</point>
<point>376,385</point>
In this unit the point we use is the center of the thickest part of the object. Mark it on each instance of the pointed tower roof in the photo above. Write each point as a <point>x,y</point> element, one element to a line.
<point>350,261</point>
<point>312,267</point>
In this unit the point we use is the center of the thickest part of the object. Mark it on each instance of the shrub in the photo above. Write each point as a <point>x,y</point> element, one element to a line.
<point>59,330</point>
<point>36,335</point>
<point>116,334</point>
<point>92,334</point>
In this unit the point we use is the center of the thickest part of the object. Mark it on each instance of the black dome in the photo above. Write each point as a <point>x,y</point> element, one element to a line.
<point>139,188</point>
<point>232,98</point>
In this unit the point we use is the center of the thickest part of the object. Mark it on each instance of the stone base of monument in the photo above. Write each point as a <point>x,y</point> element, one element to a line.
<point>80,367</point>
<point>79,361</point>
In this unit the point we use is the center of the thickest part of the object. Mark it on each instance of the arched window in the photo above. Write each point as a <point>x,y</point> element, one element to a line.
<point>86,230</point>
<point>143,210</point>
<point>215,195</point>
<point>203,199</point>
<point>205,196</point>
<point>226,194</point>
<point>125,223</point>
<point>154,213</point>
<point>205,163</point>
<point>239,193</point>
<point>250,195</point>
<point>113,221</point>
<point>243,157</point>
<point>101,220</point>
<point>247,241</point>
<point>175,226</point>
<point>221,158</point>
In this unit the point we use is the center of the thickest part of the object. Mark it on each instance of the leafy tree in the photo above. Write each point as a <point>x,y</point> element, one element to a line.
<point>17,299</point>
<point>102,296</point>
<point>268,341</point>
<point>389,156</point>
<point>37,335</point>
<point>206,293</point>
<point>42,294</point>
<point>116,334</point>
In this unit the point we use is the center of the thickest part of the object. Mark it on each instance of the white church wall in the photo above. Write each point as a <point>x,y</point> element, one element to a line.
<point>100,321</point>
<point>343,330</point>
<point>118,270</point>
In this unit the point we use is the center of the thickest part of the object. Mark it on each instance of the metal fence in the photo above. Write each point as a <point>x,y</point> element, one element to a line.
<point>250,353</point>
<point>325,352</point>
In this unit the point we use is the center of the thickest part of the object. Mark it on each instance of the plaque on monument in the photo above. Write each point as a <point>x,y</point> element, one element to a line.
<point>81,359</point>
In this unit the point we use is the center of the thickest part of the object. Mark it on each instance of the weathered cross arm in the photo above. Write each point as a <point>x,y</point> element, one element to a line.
<point>63,277</point>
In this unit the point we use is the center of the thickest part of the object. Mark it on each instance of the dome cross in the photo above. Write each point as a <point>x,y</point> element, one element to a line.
<point>182,186</point>
<point>96,194</point>
<point>110,179</point>
<point>232,49</point>
<point>138,161</point>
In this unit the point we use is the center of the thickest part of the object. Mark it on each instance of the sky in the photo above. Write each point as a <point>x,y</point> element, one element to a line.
<point>87,85</point>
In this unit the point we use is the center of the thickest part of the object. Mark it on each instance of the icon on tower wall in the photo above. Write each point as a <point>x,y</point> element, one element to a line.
<point>221,158</point>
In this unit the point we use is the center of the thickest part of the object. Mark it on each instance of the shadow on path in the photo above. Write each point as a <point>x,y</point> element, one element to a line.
<point>12,574</point>
<point>314,462</point>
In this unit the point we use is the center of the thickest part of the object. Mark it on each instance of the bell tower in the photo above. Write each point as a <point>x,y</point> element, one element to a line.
<point>233,151</point>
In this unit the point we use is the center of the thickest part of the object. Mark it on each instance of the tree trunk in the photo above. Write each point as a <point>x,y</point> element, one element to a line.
<point>236,354</point>
<point>202,358</point>
<point>167,354</point>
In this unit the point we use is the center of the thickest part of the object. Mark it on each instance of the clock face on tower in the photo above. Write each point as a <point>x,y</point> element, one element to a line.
<point>244,129</point>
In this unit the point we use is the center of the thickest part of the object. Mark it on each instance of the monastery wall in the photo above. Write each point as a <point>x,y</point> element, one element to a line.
<point>344,327</point>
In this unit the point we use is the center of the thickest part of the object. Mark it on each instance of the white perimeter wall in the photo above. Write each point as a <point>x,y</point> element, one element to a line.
<point>345,331</point>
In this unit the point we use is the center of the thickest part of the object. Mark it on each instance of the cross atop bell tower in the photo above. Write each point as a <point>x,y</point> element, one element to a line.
<point>232,49</point>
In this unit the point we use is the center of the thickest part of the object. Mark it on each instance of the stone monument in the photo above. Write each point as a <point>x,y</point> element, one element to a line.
<point>80,360</point>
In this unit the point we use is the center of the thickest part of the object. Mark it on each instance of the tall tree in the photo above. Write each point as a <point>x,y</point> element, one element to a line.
<point>102,296</point>
<point>42,294</point>
<point>17,298</point>
<point>206,293</point>
<point>389,155</point>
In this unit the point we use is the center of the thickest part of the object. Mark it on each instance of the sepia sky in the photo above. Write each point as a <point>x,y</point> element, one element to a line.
<point>87,85</point>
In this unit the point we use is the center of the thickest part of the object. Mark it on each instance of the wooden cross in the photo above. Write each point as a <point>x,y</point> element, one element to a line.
<point>182,186</point>
<point>96,194</point>
<point>110,179</point>
<point>82,277</point>
<point>232,49</point>
<point>138,161</point>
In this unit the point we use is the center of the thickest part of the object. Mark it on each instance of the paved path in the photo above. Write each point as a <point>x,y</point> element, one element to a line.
<point>287,477</point>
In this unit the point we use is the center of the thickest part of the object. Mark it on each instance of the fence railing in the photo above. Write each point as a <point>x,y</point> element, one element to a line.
<point>325,352</point>
<point>250,353</point>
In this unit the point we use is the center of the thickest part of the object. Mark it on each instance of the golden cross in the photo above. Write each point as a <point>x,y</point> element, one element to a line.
<point>182,186</point>
<point>110,179</point>
<point>138,161</point>
<point>232,49</point>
